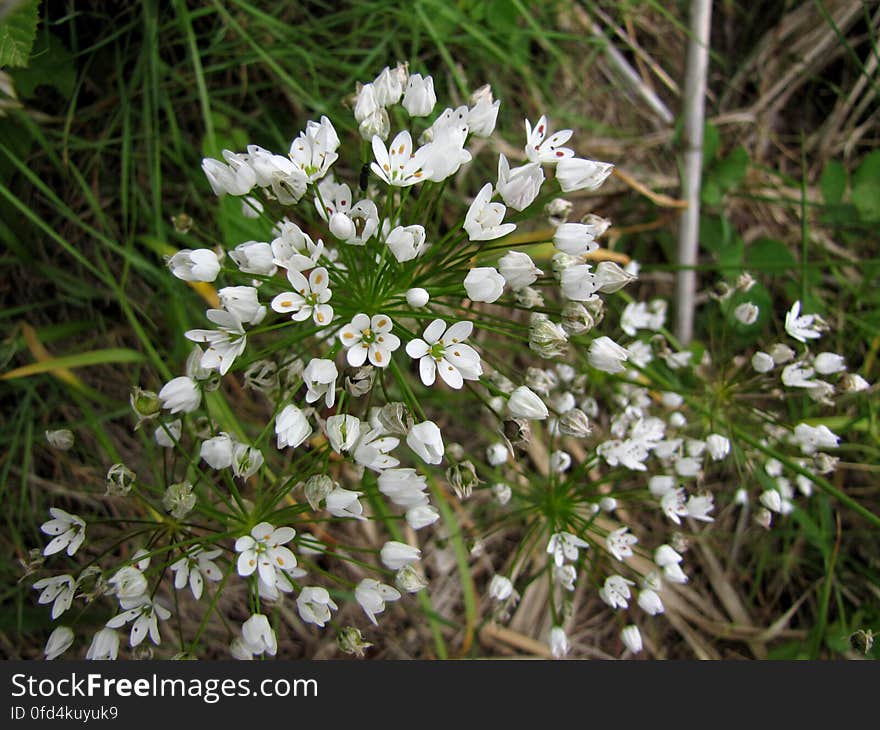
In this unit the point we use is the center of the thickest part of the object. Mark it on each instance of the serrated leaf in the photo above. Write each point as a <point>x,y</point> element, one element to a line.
<point>17,32</point>
<point>833,182</point>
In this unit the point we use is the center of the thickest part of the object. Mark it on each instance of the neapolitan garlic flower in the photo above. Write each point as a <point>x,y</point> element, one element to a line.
<point>547,151</point>
<point>68,530</point>
<point>264,549</point>
<point>372,596</point>
<point>397,165</point>
<point>309,298</point>
<point>443,350</point>
<point>369,337</point>
<point>483,219</point>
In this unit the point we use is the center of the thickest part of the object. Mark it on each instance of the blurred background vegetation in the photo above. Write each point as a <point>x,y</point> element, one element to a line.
<point>107,108</point>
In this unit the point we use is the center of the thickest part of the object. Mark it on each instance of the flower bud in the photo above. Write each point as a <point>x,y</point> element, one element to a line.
<point>199,265</point>
<point>502,492</point>
<point>611,278</point>
<point>376,125</point>
<point>484,284</point>
<point>631,638</point>
<point>417,297</point>
<point>574,173</point>
<point>606,355</point>
<point>419,97</point>
<point>425,439</point>
<point>525,403</point>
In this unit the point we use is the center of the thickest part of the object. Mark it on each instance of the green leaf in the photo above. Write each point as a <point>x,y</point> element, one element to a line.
<point>730,172</point>
<point>17,32</point>
<point>768,254</point>
<point>866,188</point>
<point>833,182</point>
<point>82,359</point>
<point>51,65</point>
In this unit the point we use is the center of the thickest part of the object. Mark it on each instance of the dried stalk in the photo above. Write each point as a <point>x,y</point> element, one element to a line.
<point>694,110</point>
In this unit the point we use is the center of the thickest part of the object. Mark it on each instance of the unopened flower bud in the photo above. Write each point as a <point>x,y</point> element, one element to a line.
<point>611,278</point>
<point>417,297</point>
<point>377,124</point>
<point>525,403</point>
<point>395,418</point>
<point>576,320</point>
<point>144,403</point>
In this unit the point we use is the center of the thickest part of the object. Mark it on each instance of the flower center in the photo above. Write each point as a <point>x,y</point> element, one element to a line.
<point>437,351</point>
<point>368,335</point>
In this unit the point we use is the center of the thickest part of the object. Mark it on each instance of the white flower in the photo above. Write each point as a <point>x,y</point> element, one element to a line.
<point>395,555</point>
<point>372,450</point>
<point>236,178</point>
<point>68,530</point>
<point>811,438</point>
<point>168,434</point>
<point>243,302</point>
<point>258,635</point>
<point>320,379</point>
<point>128,583</point>
<point>606,355</point>
<point>518,270</point>
<point>417,297</point>
<point>365,103</point>
<point>292,427</point>
<point>611,278</point>
<point>828,363</point>
<point>620,543</point>
<point>483,219</point>
<point>525,403</point>
<point>631,638</point>
<point>564,546</point>
<point>649,602</point>
<point>226,343</point>
<point>484,284</point>
<point>615,591</point>
<point>575,239</point>
<point>404,487</point>
<point>640,315</point>
<point>718,446</point>
<point>315,604</point>
<point>673,504</point>
<point>59,642</point>
<point>497,454</point>
<point>500,588</point>
<point>578,282</point>
<point>314,150</point>
<point>61,439</point>
<point>254,257</point>
<point>445,152</point>
<point>145,612</point>
<point>58,590</point>
<point>425,439</point>
<point>747,313</point>
<point>199,265</point>
<point>372,595</point>
<point>548,151</point>
<point>309,298</point>
<point>560,461</point>
<point>422,516</point>
<point>419,98</point>
<point>771,499</point>
<point>803,327</point>
<point>196,565</point>
<point>294,249</point>
<point>483,115</point>
<point>444,350</point>
<point>344,503</point>
<point>181,394</point>
<point>396,164</point>
<point>565,576</point>
<point>558,642</point>
<point>217,451</point>
<point>520,186</point>
<point>699,506</point>
<point>406,242</point>
<point>798,375</point>
<point>105,645</point>
<point>342,431</point>
<point>369,337</point>
<point>388,85</point>
<point>578,174</point>
<point>263,550</point>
